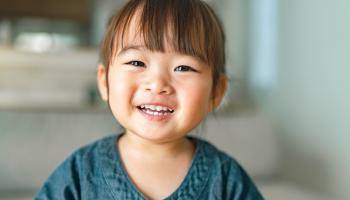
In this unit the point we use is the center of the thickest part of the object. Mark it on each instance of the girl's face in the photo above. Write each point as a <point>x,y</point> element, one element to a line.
<point>158,96</point>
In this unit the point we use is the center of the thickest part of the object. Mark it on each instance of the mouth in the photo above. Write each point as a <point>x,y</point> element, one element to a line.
<point>155,110</point>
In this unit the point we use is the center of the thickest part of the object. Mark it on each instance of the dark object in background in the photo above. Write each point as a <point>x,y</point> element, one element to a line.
<point>76,10</point>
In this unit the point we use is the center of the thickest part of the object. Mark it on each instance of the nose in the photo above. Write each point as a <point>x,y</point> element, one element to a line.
<point>158,83</point>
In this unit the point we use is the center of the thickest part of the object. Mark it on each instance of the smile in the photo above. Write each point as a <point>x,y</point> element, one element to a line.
<point>155,110</point>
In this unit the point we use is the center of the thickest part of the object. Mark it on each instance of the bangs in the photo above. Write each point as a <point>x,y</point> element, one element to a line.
<point>177,24</point>
<point>185,26</point>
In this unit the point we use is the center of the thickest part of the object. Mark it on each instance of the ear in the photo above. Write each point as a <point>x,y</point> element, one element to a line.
<point>220,91</point>
<point>102,82</point>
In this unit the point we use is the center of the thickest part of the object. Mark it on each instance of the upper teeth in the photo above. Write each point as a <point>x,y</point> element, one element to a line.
<point>157,108</point>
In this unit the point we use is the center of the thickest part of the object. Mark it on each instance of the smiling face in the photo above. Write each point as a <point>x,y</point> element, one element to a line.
<point>158,92</point>
<point>158,96</point>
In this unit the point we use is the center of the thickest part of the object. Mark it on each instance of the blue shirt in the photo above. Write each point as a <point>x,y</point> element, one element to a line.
<point>96,172</point>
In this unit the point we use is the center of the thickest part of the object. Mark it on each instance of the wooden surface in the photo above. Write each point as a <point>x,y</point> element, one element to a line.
<point>77,10</point>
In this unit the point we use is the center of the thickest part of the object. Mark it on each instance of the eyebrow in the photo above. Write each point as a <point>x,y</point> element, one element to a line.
<point>131,47</point>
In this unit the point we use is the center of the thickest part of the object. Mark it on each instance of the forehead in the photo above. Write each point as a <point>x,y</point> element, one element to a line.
<point>133,34</point>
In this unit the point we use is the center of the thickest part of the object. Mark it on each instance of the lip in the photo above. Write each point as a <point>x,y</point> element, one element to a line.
<point>156,117</point>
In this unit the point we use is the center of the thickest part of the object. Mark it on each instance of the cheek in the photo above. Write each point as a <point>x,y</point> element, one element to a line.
<point>120,83</point>
<point>197,98</point>
<point>121,90</point>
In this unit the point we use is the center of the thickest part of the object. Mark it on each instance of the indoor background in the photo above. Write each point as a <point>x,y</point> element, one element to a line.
<point>286,117</point>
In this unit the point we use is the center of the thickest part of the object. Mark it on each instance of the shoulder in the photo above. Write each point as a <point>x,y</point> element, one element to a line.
<point>218,158</point>
<point>81,167</point>
<point>87,158</point>
<point>227,179</point>
<point>95,147</point>
<point>89,153</point>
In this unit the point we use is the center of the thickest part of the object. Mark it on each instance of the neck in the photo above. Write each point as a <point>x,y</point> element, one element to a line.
<point>142,148</point>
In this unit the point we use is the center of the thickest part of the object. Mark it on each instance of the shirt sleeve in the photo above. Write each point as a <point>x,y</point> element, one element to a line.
<point>63,183</point>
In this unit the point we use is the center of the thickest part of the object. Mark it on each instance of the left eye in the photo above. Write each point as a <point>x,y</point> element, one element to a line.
<point>184,68</point>
<point>136,63</point>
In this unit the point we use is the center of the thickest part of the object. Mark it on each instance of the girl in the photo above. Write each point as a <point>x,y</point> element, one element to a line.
<point>162,71</point>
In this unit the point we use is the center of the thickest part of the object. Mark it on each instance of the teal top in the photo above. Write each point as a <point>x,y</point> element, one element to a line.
<point>96,172</point>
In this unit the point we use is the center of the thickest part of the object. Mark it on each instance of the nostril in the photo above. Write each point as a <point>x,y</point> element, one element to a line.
<point>158,84</point>
<point>159,90</point>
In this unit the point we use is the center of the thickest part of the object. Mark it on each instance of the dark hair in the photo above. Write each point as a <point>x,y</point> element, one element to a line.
<point>189,26</point>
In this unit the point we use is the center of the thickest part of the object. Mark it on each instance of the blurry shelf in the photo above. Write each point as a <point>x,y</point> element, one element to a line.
<point>61,80</point>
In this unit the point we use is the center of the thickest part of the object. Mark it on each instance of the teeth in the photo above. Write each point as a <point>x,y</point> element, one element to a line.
<point>159,108</point>
<point>155,113</point>
<point>156,108</point>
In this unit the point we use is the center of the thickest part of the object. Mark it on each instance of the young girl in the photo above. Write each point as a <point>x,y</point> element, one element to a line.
<point>162,71</point>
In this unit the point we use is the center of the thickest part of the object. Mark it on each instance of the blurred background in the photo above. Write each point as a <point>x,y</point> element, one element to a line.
<point>286,117</point>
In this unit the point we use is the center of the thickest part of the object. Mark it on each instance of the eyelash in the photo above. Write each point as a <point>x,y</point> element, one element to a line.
<point>184,68</point>
<point>136,63</point>
<point>187,68</point>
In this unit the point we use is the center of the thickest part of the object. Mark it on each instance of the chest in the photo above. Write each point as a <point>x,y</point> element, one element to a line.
<point>157,180</point>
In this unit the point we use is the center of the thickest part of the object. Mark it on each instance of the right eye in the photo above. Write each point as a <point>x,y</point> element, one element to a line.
<point>136,63</point>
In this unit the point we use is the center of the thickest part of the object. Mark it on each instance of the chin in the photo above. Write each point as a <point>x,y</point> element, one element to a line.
<point>158,137</point>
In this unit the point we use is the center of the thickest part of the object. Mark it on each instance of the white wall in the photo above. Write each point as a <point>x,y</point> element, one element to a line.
<point>102,11</point>
<point>233,16</point>
<point>311,98</point>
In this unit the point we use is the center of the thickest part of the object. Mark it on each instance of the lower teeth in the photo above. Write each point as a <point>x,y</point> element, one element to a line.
<point>154,113</point>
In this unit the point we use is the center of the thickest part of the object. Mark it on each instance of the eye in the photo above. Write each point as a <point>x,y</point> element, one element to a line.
<point>136,63</point>
<point>184,68</point>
